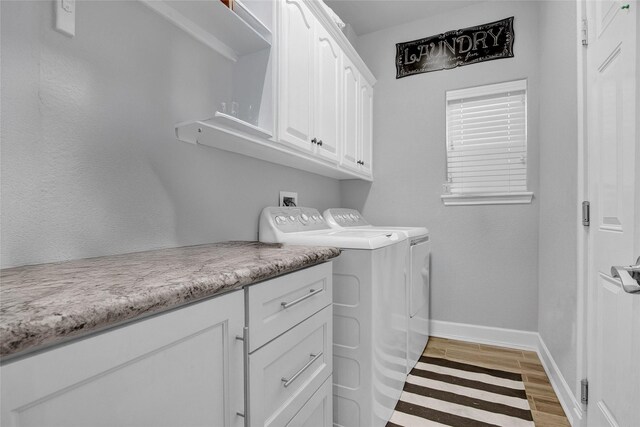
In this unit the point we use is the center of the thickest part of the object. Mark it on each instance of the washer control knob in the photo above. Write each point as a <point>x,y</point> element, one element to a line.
<point>304,219</point>
<point>280,220</point>
<point>292,218</point>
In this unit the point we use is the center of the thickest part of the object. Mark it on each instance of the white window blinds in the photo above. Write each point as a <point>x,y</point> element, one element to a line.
<point>487,139</point>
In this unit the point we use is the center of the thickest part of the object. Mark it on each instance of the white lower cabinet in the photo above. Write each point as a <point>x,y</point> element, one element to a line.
<point>318,411</point>
<point>288,372</point>
<point>278,305</point>
<point>181,368</point>
<point>186,367</point>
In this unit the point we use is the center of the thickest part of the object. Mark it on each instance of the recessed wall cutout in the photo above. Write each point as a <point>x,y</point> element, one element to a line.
<point>288,198</point>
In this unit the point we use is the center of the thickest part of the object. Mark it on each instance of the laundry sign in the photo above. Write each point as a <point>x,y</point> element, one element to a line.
<point>455,48</point>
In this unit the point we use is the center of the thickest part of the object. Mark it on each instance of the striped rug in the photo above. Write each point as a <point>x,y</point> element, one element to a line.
<point>443,392</point>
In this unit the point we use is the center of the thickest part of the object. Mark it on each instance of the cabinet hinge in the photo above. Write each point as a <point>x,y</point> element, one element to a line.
<point>585,33</point>
<point>584,391</point>
<point>586,213</point>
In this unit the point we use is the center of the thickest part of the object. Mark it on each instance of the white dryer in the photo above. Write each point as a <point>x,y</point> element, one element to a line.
<point>417,270</point>
<point>369,356</point>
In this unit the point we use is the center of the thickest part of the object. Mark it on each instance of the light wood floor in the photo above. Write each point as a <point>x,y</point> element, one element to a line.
<point>544,403</point>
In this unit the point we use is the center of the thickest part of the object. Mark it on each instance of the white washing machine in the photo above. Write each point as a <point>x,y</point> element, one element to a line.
<point>418,249</point>
<point>369,357</point>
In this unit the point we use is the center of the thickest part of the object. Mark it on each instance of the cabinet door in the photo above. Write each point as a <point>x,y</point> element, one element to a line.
<point>181,368</point>
<point>366,127</point>
<point>350,95</point>
<point>296,74</point>
<point>327,105</point>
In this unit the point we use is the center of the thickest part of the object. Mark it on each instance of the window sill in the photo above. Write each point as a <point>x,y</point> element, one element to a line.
<point>487,199</point>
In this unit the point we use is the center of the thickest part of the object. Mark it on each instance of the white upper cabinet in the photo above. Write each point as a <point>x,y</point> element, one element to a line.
<point>309,80</point>
<point>304,103</point>
<point>296,74</point>
<point>365,137</point>
<point>357,102</point>
<point>350,95</point>
<point>327,95</point>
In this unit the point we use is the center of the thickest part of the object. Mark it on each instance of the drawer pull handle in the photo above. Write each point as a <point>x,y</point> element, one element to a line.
<point>287,382</point>
<point>311,293</point>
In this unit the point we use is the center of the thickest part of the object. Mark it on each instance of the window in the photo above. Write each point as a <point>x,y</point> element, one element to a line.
<point>487,145</point>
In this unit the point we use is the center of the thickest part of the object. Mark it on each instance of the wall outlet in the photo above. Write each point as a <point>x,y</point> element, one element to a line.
<point>288,198</point>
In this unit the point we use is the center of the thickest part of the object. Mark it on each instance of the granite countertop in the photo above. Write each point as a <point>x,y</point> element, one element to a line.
<point>42,305</point>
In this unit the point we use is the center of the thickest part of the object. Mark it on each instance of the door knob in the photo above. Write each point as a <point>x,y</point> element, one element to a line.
<point>320,142</point>
<point>629,276</point>
<point>314,141</point>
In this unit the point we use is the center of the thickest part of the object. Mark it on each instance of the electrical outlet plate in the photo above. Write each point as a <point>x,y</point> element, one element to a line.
<point>288,196</point>
<point>66,17</point>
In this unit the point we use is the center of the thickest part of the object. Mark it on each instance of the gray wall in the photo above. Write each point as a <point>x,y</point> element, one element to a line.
<point>557,255</point>
<point>485,258</point>
<point>90,163</point>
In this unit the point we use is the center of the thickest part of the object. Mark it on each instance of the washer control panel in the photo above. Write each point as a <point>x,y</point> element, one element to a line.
<point>293,219</point>
<point>345,217</point>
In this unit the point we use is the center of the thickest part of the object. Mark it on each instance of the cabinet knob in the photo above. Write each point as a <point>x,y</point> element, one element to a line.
<point>314,141</point>
<point>320,143</point>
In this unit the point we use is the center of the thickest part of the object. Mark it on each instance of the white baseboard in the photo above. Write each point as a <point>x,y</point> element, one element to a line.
<point>572,407</point>
<point>524,340</point>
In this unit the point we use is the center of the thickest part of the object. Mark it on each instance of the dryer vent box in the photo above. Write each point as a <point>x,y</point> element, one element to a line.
<point>288,198</point>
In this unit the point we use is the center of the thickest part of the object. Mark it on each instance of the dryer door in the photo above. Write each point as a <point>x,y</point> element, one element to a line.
<point>419,280</point>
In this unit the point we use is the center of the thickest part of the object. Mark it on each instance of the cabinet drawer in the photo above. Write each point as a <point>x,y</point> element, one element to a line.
<point>317,412</point>
<point>285,373</point>
<point>279,304</point>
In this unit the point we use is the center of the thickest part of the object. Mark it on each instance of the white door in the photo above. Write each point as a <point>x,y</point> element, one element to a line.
<point>296,74</point>
<point>614,187</point>
<point>350,95</point>
<point>327,117</point>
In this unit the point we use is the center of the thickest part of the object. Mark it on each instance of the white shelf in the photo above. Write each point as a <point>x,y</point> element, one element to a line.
<point>215,25</point>
<point>247,16</point>
<point>231,134</point>
<point>233,122</point>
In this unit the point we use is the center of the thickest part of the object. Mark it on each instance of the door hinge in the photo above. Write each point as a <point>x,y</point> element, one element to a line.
<point>584,391</point>
<point>585,33</point>
<point>586,213</point>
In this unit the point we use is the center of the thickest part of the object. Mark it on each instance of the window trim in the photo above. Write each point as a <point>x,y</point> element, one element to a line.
<point>502,198</point>
<point>514,198</point>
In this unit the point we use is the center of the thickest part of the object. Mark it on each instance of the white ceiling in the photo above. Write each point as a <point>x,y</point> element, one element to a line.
<point>366,16</point>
